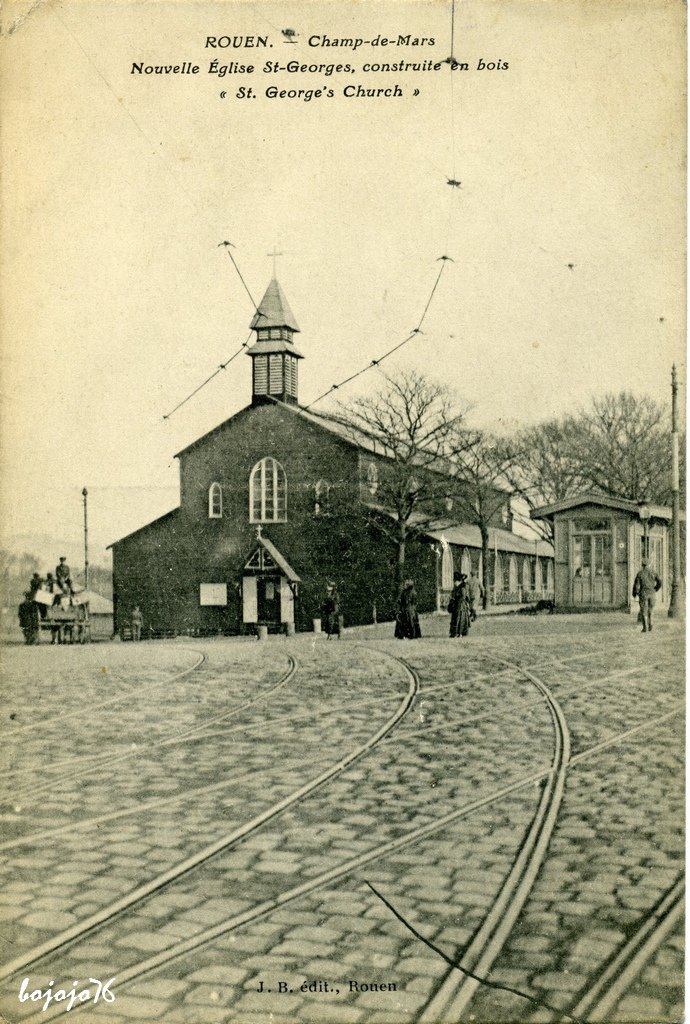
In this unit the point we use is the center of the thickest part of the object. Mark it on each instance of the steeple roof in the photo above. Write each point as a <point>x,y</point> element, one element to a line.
<point>274,310</point>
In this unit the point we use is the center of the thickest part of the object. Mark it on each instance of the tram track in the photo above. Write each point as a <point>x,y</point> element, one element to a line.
<point>201,732</point>
<point>134,690</point>
<point>137,751</point>
<point>513,891</point>
<point>457,988</point>
<point>183,868</point>
<point>615,977</point>
<point>339,872</point>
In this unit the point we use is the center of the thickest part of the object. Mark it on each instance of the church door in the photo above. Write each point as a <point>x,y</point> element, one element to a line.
<point>268,599</point>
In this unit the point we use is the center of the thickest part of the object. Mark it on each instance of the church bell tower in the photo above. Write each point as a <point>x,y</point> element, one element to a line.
<point>274,355</point>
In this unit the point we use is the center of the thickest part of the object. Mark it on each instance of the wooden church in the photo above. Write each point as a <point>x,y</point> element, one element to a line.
<point>274,503</point>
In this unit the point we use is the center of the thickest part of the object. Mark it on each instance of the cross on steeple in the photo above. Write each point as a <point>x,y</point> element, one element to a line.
<point>274,254</point>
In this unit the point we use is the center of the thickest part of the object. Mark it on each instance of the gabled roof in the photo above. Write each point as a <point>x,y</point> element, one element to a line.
<point>98,605</point>
<point>274,310</point>
<point>154,522</point>
<point>326,423</point>
<point>280,560</point>
<point>354,437</point>
<point>620,504</point>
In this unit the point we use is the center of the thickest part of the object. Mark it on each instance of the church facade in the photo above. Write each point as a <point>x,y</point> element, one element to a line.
<point>277,501</point>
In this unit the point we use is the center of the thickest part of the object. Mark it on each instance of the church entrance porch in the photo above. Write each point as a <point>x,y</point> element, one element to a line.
<point>269,588</point>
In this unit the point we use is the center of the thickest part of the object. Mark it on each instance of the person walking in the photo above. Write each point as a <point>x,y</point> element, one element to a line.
<point>407,619</point>
<point>459,606</point>
<point>475,594</point>
<point>330,611</point>
<point>137,622</point>
<point>645,588</point>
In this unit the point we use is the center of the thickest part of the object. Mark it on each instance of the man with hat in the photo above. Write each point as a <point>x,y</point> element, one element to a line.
<point>64,576</point>
<point>645,587</point>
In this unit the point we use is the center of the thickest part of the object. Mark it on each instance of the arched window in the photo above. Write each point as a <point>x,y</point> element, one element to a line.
<point>267,493</point>
<point>322,492</point>
<point>538,578</point>
<point>446,567</point>
<point>497,576</point>
<point>527,573</point>
<point>512,574</point>
<point>215,502</point>
<point>466,562</point>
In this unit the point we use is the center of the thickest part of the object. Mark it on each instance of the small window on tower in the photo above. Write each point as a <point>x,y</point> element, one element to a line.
<point>276,374</point>
<point>260,375</point>
<point>215,501</point>
<point>291,364</point>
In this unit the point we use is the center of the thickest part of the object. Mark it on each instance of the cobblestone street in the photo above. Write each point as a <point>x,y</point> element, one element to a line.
<point>487,829</point>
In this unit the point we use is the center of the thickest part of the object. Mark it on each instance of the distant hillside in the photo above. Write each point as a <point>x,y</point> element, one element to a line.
<point>47,549</point>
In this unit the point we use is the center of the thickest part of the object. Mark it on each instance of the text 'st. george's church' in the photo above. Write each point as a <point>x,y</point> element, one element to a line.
<point>275,502</point>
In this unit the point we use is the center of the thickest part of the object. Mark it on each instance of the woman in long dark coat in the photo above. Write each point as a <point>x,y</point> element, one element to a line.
<point>459,607</point>
<point>407,619</point>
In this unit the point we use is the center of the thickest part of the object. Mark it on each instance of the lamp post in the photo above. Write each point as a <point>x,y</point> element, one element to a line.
<point>674,604</point>
<point>85,495</point>
<point>645,515</point>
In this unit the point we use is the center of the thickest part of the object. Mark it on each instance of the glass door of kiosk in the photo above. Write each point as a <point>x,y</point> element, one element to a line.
<point>591,566</point>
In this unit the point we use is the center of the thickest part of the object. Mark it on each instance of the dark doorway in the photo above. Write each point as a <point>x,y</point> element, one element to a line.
<point>268,599</point>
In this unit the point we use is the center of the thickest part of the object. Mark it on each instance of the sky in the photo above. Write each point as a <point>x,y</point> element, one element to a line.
<point>118,188</point>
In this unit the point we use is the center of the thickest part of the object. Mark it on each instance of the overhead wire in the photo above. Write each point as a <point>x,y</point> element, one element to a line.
<point>179,184</point>
<point>235,354</point>
<point>377,362</point>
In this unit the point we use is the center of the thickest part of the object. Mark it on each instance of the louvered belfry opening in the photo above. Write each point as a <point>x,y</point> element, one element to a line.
<point>274,355</point>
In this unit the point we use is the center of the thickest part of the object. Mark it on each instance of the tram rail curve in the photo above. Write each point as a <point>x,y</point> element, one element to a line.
<point>107,762</point>
<point>97,820</point>
<point>183,868</point>
<point>346,868</point>
<point>32,726</point>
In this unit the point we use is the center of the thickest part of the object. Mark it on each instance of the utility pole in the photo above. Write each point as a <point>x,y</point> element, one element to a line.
<point>85,495</point>
<point>674,608</point>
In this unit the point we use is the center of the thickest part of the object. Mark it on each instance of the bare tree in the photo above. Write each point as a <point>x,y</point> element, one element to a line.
<point>483,463</point>
<point>546,466</point>
<point>411,422</point>
<point>623,446</point>
<point>619,446</point>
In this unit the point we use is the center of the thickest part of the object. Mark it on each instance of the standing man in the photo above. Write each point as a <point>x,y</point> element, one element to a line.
<point>330,611</point>
<point>137,622</point>
<point>475,593</point>
<point>63,576</point>
<point>645,587</point>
